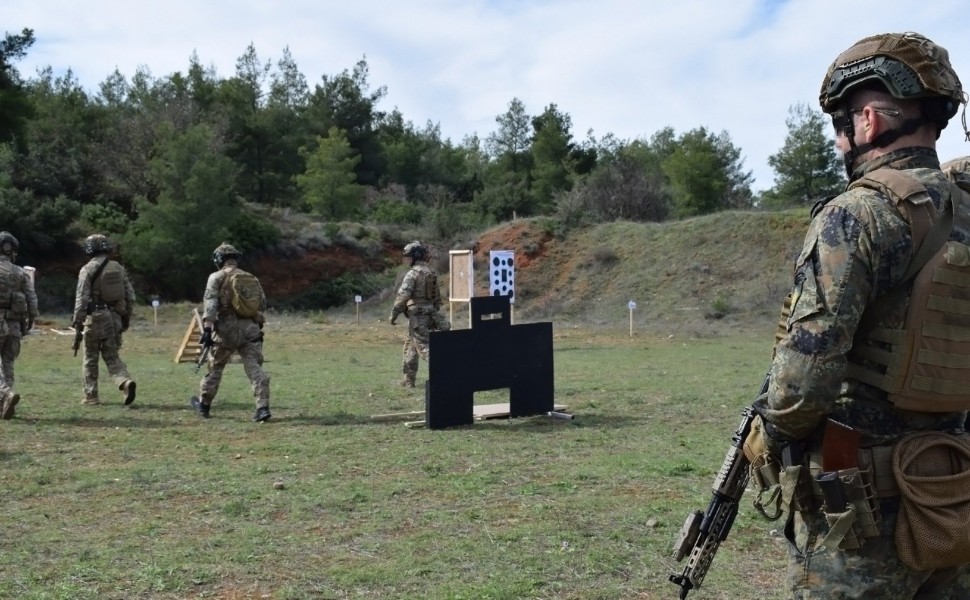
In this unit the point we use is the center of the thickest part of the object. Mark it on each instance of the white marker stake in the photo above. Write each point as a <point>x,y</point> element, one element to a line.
<point>631,305</point>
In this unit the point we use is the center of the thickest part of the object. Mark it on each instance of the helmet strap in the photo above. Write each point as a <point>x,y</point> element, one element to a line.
<point>880,141</point>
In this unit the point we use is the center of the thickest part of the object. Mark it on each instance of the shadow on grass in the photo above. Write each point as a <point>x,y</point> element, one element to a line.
<point>108,423</point>
<point>517,426</point>
<point>328,420</point>
<point>546,424</point>
<point>183,405</point>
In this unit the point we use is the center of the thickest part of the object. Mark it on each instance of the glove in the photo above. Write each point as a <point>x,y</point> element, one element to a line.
<point>79,326</point>
<point>206,339</point>
<point>756,445</point>
<point>125,322</point>
<point>393,319</point>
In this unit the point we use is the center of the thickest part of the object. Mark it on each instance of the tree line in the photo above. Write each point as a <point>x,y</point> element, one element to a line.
<point>172,165</point>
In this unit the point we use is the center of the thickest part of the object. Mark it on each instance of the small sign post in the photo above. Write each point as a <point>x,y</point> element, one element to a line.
<point>155,305</point>
<point>357,300</point>
<point>631,305</point>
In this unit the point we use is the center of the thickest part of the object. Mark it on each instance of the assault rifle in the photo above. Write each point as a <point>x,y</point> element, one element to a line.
<point>703,532</point>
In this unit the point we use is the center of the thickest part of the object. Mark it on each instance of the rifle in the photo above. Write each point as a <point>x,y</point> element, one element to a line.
<point>703,533</point>
<point>78,336</point>
<point>202,357</point>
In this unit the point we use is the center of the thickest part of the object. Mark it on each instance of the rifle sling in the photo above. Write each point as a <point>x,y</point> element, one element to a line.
<point>94,277</point>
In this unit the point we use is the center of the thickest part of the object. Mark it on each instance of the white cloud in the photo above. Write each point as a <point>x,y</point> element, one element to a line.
<point>626,67</point>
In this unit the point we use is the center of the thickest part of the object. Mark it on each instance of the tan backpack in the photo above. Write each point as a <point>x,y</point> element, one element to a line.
<point>245,293</point>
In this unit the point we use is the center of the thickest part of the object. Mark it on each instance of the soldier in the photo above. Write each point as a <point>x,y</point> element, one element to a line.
<point>232,322</point>
<point>102,311</point>
<point>420,301</point>
<point>855,317</point>
<point>19,304</point>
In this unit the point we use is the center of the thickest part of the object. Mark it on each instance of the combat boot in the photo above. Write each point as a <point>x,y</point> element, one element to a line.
<point>203,409</point>
<point>91,401</point>
<point>407,382</point>
<point>128,388</point>
<point>262,414</point>
<point>9,402</point>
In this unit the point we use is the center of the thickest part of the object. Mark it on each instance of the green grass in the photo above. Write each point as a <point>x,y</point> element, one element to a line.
<point>154,502</point>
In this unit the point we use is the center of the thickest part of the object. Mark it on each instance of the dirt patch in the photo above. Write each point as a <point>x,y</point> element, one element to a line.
<point>290,276</point>
<point>525,238</point>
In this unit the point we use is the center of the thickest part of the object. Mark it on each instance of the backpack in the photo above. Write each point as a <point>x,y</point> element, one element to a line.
<point>921,366</point>
<point>111,283</point>
<point>245,293</point>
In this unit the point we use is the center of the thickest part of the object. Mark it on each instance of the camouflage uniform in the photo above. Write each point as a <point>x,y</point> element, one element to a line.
<point>13,326</point>
<point>103,326</point>
<point>232,334</point>
<point>857,249</point>
<point>418,298</point>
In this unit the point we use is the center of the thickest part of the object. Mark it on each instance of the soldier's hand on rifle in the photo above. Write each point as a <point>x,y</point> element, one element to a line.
<point>79,326</point>
<point>206,339</point>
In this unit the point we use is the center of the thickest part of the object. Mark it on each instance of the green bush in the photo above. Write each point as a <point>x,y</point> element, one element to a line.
<point>390,211</point>
<point>337,291</point>
<point>250,232</point>
<point>104,218</point>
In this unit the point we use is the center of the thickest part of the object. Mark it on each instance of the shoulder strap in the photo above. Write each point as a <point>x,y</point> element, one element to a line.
<point>99,270</point>
<point>926,245</point>
<point>900,187</point>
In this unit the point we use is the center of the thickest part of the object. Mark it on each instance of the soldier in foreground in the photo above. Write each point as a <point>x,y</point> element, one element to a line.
<point>232,321</point>
<point>862,419</point>
<point>419,299</point>
<point>19,304</point>
<point>102,311</point>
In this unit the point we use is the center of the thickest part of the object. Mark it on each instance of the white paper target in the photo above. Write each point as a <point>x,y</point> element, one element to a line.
<point>501,274</point>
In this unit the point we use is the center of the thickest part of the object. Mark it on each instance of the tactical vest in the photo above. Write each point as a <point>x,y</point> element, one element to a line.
<point>925,365</point>
<point>110,285</point>
<point>425,287</point>
<point>12,299</point>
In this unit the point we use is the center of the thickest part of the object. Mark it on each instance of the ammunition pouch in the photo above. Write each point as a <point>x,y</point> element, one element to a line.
<point>18,307</point>
<point>850,497</point>
<point>932,469</point>
<point>850,508</point>
<point>786,484</point>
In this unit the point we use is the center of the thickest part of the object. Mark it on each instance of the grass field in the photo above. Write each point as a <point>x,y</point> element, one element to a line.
<point>326,502</point>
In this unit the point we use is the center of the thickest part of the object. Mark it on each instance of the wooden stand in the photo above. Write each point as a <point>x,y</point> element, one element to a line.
<point>190,349</point>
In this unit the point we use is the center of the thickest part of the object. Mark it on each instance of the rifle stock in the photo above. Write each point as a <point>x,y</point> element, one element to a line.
<point>703,532</point>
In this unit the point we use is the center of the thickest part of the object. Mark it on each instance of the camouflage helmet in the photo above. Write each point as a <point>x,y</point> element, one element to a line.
<point>908,65</point>
<point>97,244</point>
<point>224,252</point>
<point>416,250</point>
<point>8,243</point>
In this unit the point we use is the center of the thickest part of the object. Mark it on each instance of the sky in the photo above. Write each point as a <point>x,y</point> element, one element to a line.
<point>623,67</point>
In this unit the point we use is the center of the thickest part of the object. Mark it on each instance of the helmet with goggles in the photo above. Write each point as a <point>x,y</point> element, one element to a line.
<point>907,65</point>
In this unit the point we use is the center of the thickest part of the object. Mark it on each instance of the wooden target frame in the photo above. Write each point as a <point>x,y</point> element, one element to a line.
<point>461,287</point>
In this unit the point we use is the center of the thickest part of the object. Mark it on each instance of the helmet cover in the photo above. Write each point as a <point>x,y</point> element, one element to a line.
<point>908,65</point>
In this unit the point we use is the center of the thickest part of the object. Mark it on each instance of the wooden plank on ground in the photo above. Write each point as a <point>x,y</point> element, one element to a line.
<point>480,412</point>
<point>500,410</point>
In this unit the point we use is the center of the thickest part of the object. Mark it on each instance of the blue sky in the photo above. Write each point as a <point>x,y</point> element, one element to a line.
<point>626,67</point>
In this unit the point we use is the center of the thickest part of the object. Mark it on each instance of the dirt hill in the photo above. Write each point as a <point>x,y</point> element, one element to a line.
<point>731,265</point>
